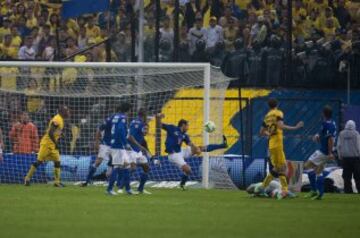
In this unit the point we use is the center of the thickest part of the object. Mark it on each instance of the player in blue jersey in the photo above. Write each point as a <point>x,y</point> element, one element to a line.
<point>175,136</point>
<point>102,145</point>
<point>119,154</point>
<point>315,164</point>
<point>139,152</point>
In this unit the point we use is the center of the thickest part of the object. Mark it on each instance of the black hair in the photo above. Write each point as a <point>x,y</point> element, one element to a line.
<point>124,107</point>
<point>327,111</point>
<point>273,103</point>
<point>182,122</point>
<point>142,112</point>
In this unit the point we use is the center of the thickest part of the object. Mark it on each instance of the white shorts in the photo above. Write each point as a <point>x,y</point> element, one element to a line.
<point>137,157</point>
<point>318,158</point>
<point>104,152</point>
<point>119,157</point>
<point>179,158</point>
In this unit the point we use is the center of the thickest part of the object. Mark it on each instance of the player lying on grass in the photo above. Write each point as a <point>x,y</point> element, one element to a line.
<point>138,152</point>
<point>175,136</point>
<point>316,163</point>
<point>103,146</point>
<point>272,128</point>
<point>272,190</point>
<point>49,146</point>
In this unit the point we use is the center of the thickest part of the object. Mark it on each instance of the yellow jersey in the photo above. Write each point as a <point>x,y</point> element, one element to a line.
<point>270,123</point>
<point>57,120</point>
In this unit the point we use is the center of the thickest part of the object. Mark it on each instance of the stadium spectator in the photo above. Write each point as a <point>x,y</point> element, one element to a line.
<point>50,49</point>
<point>228,16</point>
<point>342,14</point>
<point>198,32</point>
<point>230,33</point>
<point>200,54</point>
<point>191,10</point>
<point>167,32</point>
<point>71,47</point>
<point>348,147</point>
<point>215,33</point>
<point>8,51</point>
<point>24,136</point>
<point>27,51</point>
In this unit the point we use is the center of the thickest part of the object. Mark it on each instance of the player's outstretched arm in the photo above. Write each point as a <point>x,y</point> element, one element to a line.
<point>283,126</point>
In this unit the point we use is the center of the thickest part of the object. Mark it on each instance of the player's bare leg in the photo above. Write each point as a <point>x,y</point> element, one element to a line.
<point>187,171</point>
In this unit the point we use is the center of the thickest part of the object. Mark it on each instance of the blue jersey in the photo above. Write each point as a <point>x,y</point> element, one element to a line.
<point>119,131</point>
<point>137,131</point>
<point>327,130</point>
<point>105,128</point>
<point>174,138</point>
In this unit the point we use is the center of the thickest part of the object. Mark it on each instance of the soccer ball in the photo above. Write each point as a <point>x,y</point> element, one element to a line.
<point>210,127</point>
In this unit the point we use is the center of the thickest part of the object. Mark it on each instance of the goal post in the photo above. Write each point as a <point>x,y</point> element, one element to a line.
<point>193,91</point>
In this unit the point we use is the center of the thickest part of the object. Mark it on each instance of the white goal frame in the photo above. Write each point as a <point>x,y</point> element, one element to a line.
<point>207,84</point>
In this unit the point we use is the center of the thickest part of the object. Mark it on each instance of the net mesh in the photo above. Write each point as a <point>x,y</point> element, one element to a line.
<point>92,93</point>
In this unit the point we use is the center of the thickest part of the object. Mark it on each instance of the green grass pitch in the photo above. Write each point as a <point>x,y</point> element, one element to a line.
<point>44,211</point>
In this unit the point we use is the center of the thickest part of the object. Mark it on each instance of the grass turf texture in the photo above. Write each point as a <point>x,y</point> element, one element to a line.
<point>44,211</point>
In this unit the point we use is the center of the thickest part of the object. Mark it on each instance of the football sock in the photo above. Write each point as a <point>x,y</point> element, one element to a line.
<point>320,184</point>
<point>213,147</point>
<point>267,180</point>
<point>120,179</point>
<point>312,179</point>
<point>91,173</point>
<point>126,179</point>
<point>57,175</point>
<point>30,173</point>
<point>143,179</point>
<point>184,179</point>
<point>283,182</point>
<point>113,178</point>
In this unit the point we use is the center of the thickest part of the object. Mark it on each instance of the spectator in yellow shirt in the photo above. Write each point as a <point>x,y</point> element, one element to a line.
<point>31,20</point>
<point>16,39</point>
<point>8,50</point>
<point>329,30</point>
<point>5,29</point>
<point>321,21</point>
<point>317,5</point>
<point>92,31</point>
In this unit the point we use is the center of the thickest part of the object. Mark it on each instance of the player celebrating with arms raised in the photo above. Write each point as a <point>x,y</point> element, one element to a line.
<point>315,164</point>
<point>49,146</point>
<point>175,136</point>
<point>273,126</point>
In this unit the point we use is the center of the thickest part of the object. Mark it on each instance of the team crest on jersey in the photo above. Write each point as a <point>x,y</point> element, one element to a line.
<point>136,126</point>
<point>123,120</point>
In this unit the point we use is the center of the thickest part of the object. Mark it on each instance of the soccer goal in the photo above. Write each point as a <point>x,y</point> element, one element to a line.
<point>92,91</point>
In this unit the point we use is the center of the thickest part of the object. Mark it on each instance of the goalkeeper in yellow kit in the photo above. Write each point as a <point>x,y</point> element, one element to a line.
<point>273,126</point>
<point>49,146</point>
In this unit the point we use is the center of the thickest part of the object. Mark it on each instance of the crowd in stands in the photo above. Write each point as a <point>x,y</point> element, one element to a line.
<point>247,38</point>
<point>208,32</point>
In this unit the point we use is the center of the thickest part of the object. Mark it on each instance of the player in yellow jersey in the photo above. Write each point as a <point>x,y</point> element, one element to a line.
<point>272,128</point>
<point>49,146</point>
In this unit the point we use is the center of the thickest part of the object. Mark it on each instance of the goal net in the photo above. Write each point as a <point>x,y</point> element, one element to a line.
<point>31,93</point>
